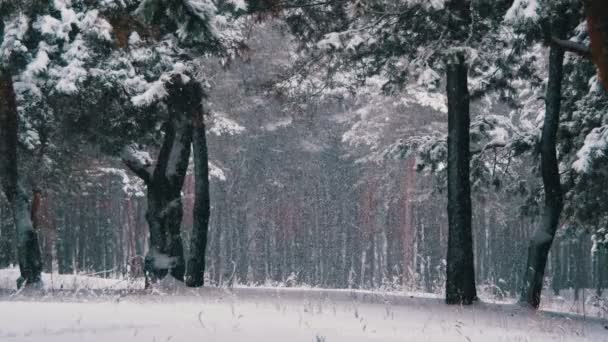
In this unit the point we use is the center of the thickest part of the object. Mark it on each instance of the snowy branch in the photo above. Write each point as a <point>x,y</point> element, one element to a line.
<point>571,46</point>
<point>490,145</point>
<point>139,162</point>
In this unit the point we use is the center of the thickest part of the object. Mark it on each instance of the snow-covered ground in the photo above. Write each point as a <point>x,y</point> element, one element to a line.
<point>79,283</point>
<point>174,313</point>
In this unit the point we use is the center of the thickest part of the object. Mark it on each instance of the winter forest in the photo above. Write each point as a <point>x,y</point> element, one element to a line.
<point>304,170</point>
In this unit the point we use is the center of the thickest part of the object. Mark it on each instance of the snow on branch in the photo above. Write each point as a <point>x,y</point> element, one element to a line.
<point>14,32</point>
<point>522,10</point>
<point>222,125</point>
<point>216,172</point>
<point>157,90</point>
<point>138,161</point>
<point>596,144</point>
<point>130,186</point>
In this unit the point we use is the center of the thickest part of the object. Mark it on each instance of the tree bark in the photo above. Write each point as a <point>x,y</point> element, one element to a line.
<point>460,282</point>
<point>200,227</point>
<point>30,264</point>
<point>541,241</point>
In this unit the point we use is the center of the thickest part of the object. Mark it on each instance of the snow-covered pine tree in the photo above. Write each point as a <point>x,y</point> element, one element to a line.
<point>16,43</point>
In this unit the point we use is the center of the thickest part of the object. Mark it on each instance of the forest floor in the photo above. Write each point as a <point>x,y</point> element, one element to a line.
<point>94,309</point>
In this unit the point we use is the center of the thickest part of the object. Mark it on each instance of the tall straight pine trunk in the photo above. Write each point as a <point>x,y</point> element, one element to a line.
<point>541,241</point>
<point>30,264</point>
<point>200,228</point>
<point>460,282</point>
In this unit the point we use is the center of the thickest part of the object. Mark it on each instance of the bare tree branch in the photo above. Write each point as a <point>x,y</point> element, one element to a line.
<point>491,145</point>
<point>573,47</point>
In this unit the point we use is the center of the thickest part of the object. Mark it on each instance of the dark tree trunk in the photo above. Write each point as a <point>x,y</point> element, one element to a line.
<point>165,208</point>
<point>460,282</point>
<point>164,182</point>
<point>30,264</point>
<point>541,241</point>
<point>200,228</point>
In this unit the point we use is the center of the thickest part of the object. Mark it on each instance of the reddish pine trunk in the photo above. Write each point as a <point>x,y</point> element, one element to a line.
<point>409,231</point>
<point>44,225</point>
<point>597,25</point>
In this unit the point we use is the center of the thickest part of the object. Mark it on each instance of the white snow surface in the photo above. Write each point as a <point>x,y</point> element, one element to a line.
<point>80,282</point>
<point>171,312</point>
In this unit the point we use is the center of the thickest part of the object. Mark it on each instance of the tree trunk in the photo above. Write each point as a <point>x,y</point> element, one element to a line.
<point>460,282</point>
<point>557,270</point>
<point>601,268</point>
<point>165,180</point>
<point>29,252</point>
<point>200,227</point>
<point>596,12</point>
<point>541,241</point>
<point>409,228</point>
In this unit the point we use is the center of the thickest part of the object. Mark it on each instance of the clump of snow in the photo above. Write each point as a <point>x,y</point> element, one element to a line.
<point>133,154</point>
<point>522,10</point>
<point>156,91</point>
<point>216,172</point>
<point>434,100</point>
<point>595,146</point>
<point>70,76</point>
<point>330,41</point>
<point>355,42</point>
<point>222,125</point>
<point>28,81</point>
<point>134,39</point>
<point>14,31</point>
<point>275,125</point>
<point>429,79</point>
<point>429,4</point>
<point>131,186</point>
<point>94,24</point>
<point>599,238</point>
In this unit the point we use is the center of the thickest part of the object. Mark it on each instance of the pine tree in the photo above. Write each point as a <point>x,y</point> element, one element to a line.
<point>16,40</point>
